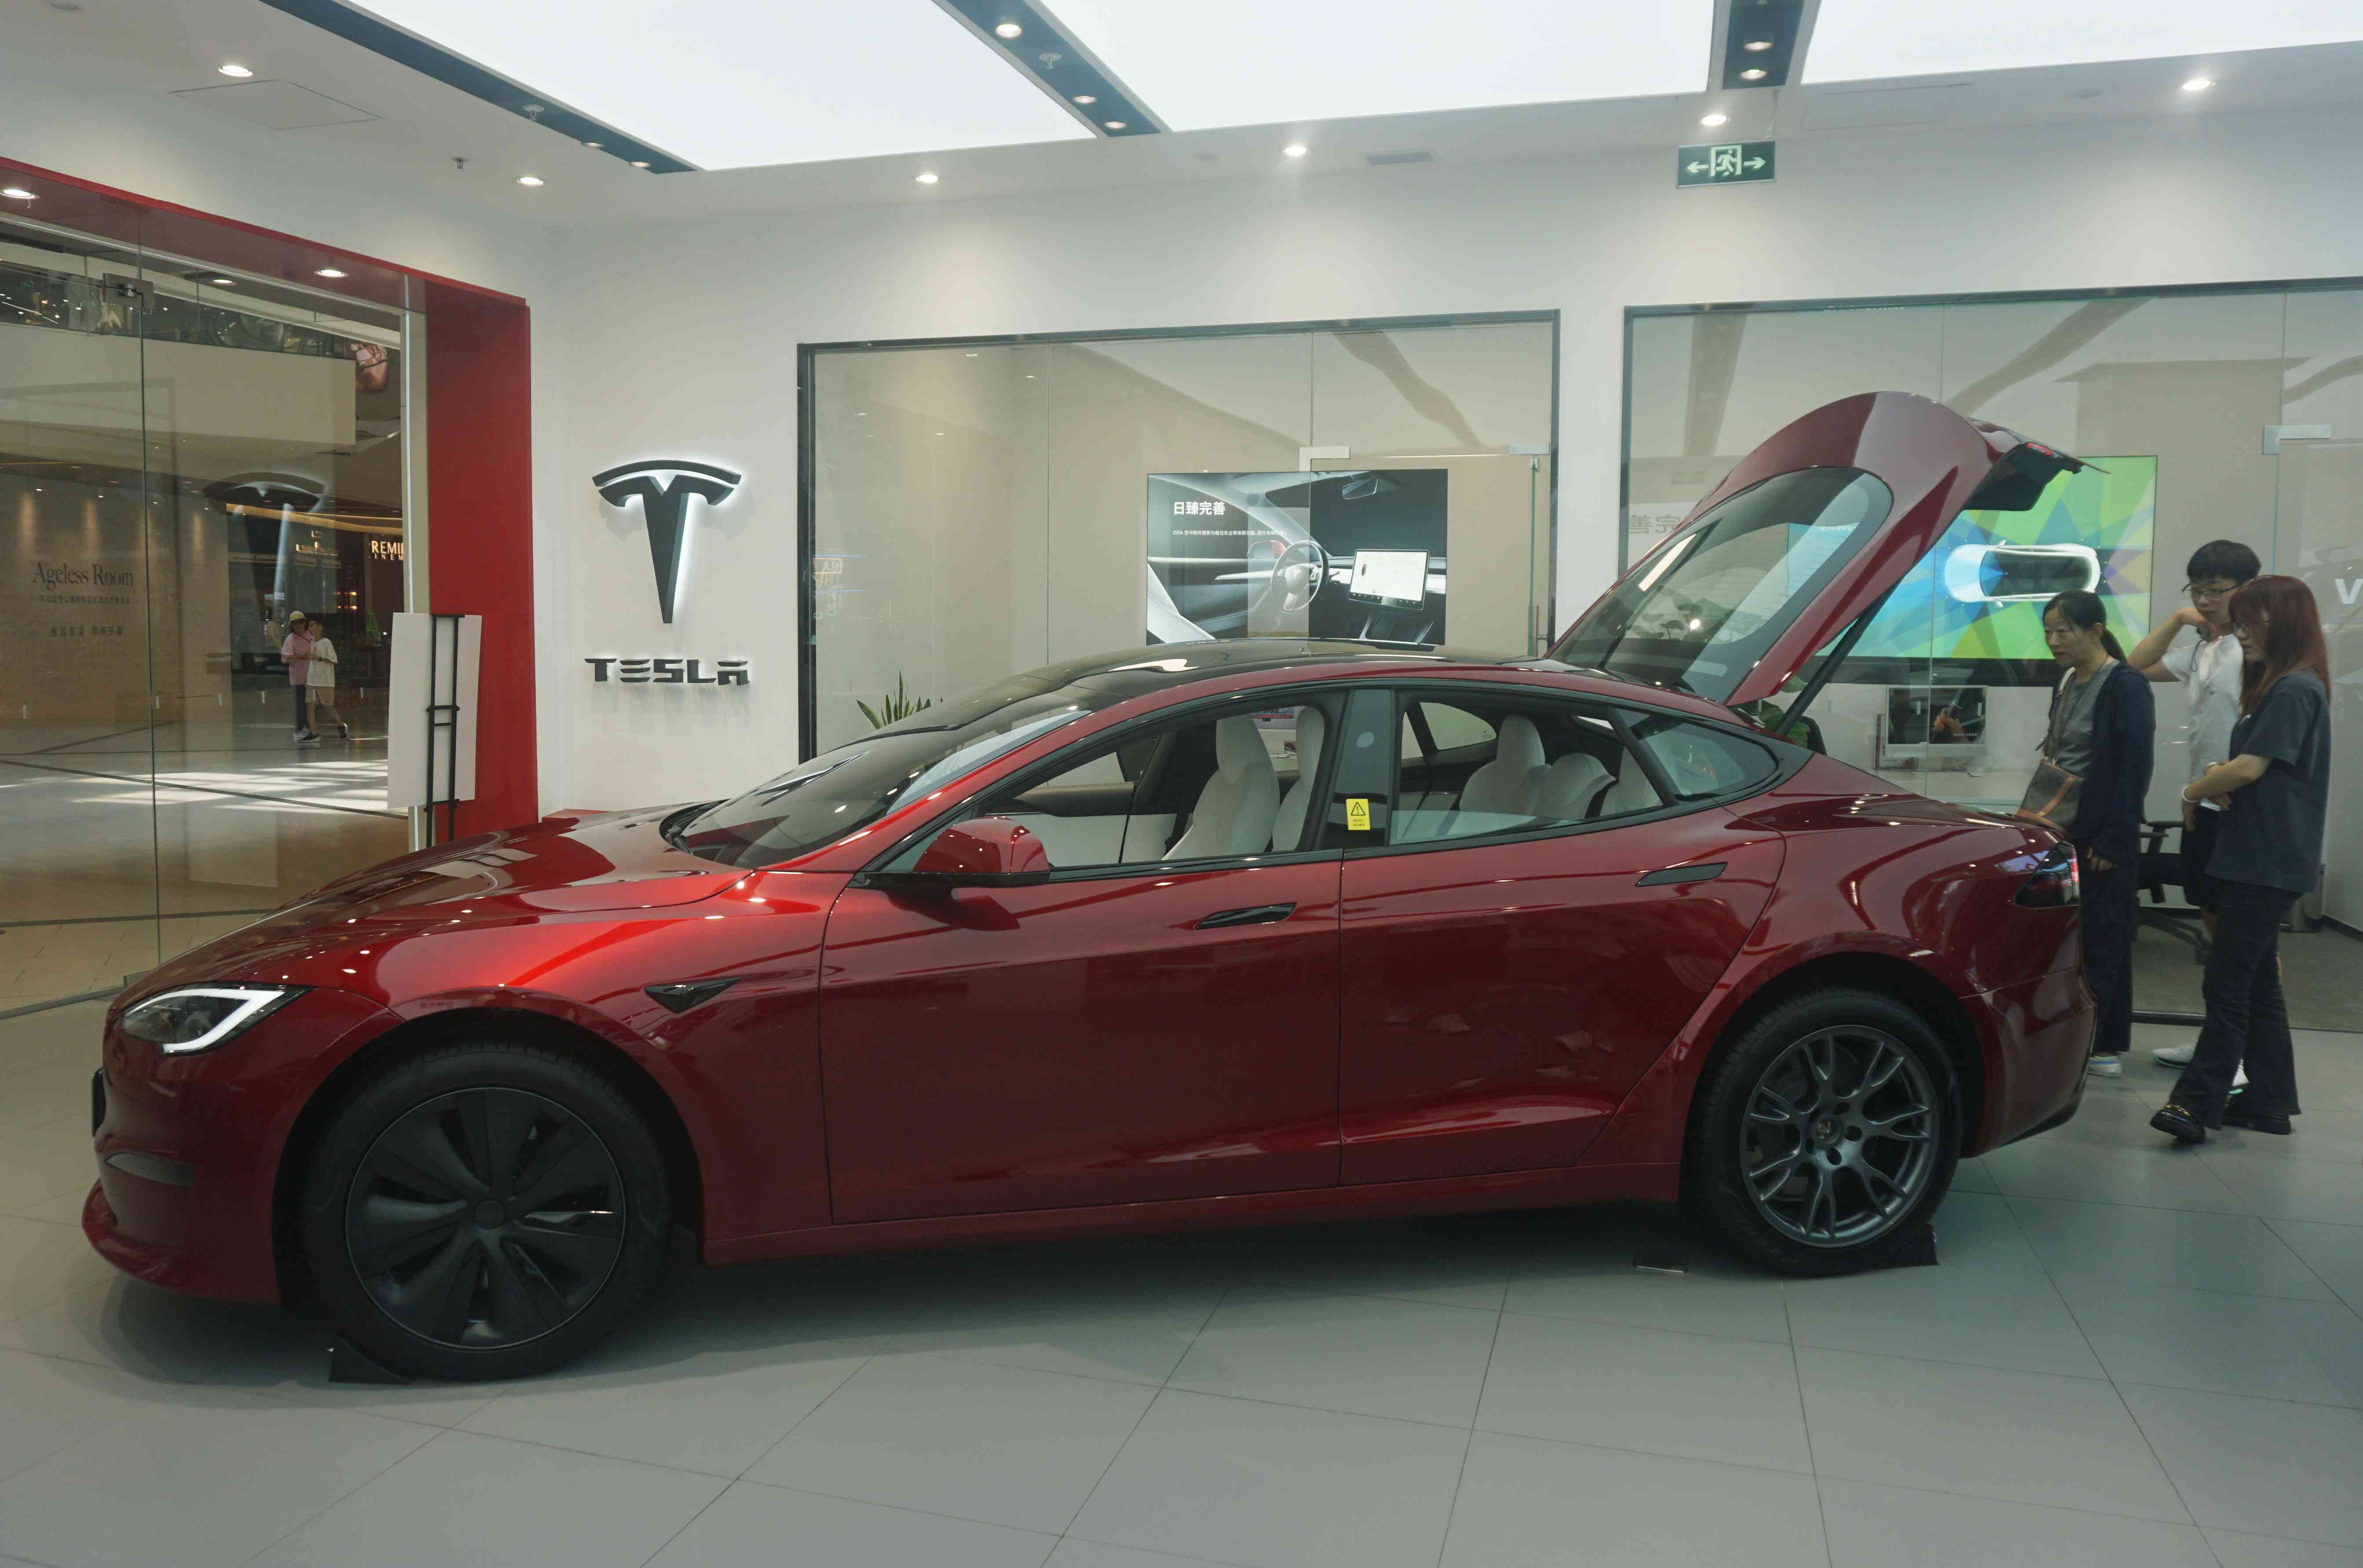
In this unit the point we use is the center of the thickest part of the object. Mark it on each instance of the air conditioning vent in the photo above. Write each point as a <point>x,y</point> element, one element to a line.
<point>1412,155</point>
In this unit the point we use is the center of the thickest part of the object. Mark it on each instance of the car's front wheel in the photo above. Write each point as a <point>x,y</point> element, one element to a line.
<point>1826,1133</point>
<point>484,1211</point>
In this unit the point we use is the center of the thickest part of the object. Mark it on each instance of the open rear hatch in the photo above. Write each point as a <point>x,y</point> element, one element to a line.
<point>1803,540</point>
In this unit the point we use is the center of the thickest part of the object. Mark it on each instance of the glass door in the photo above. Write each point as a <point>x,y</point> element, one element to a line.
<point>188,459</point>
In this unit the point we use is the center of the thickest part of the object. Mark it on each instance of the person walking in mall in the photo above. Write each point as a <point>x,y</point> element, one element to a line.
<point>2103,728</point>
<point>2276,795</point>
<point>296,649</point>
<point>320,684</point>
<point>2208,663</point>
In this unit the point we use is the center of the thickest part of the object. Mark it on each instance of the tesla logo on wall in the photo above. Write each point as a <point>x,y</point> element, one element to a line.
<point>665,487</point>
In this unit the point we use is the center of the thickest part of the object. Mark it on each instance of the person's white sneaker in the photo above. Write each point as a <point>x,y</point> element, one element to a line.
<point>2107,1067</point>
<point>2180,1055</point>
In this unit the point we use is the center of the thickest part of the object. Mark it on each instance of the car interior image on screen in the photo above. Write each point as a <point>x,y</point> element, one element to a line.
<point>1357,553</point>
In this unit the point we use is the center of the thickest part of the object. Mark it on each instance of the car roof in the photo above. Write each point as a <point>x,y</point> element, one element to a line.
<point>1174,668</point>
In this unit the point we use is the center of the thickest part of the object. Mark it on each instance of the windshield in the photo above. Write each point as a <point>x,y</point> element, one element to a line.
<point>837,792</point>
<point>1712,603</point>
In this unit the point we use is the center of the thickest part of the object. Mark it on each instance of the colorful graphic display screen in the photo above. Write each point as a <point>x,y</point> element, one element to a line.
<point>1978,595</point>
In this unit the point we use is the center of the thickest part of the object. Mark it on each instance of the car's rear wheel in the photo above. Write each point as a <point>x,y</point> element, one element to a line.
<point>1825,1133</point>
<point>484,1211</point>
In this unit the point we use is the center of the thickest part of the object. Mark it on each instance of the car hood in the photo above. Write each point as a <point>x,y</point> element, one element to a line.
<point>615,862</point>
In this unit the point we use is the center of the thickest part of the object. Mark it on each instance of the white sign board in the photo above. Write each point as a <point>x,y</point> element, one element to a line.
<point>411,745</point>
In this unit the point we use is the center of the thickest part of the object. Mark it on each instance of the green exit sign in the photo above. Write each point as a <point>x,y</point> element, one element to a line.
<point>1722,164</point>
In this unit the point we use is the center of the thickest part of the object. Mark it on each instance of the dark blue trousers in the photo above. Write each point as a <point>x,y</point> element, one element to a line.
<point>2110,917</point>
<point>2247,1018</point>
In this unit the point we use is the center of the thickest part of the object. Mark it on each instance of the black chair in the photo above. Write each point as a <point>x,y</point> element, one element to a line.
<point>2161,869</point>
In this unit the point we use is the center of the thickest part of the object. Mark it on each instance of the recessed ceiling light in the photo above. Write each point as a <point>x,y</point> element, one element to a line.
<point>1757,46</point>
<point>971,354</point>
<point>1087,97</point>
<point>223,283</point>
<point>1294,150</point>
<point>232,68</point>
<point>639,163</point>
<point>928,178</point>
<point>2198,84</point>
<point>601,145</point>
<point>1753,74</point>
<point>329,272</point>
<point>1008,30</point>
<point>528,178</point>
<point>1714,120</point>
<point>1113,124</point>
<point>16,194</point>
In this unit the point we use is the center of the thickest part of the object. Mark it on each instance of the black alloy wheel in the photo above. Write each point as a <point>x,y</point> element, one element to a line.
<point>1825,1133</point>
<point>484,1211</point>
<point>485,1219</point>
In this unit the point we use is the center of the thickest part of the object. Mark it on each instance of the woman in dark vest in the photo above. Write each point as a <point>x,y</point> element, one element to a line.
<point>2276,795</point>
<point>2104,730</point>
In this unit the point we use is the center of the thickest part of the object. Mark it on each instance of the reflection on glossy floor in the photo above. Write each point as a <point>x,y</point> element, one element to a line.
<point>211,826</point>
<point>2318,971</point>
<point>2130,1354</point>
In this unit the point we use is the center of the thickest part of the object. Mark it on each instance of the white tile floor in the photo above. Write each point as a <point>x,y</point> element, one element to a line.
<point>2131,1355</point>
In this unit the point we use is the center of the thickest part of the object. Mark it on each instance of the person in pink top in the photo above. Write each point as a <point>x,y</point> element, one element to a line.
<point>297,651</point>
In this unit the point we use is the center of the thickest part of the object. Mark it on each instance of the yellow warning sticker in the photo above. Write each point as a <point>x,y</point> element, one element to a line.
<point>1358,814</point>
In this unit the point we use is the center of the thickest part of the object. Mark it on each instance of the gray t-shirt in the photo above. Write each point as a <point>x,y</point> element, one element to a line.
<point>2071,722</point>
<point>2272,831</point>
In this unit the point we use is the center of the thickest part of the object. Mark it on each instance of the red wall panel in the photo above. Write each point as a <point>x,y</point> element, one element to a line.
<point>479,528</point>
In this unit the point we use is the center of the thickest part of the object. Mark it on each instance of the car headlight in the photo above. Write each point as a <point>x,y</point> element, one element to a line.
<point>199,1017</point>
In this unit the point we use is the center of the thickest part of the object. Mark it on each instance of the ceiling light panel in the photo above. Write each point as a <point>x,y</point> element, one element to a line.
<point>1857,41</point>
<point>1318,60</point>
<point>740,84</point>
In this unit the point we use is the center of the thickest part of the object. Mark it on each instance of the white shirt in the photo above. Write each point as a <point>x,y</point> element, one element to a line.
<point>323,668</point>
<point>2212,671</point>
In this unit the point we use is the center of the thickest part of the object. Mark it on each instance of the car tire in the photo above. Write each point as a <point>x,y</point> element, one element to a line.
<point>484,1211</point>
<point>1825,1133</point>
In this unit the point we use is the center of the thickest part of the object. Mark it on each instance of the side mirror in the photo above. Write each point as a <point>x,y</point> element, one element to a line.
<point>985,852</point>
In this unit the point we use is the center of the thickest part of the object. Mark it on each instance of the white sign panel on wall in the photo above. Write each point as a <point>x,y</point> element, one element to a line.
<point>434,663</point>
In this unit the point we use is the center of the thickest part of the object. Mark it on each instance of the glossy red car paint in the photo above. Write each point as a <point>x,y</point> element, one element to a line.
<point>1543,1047</point>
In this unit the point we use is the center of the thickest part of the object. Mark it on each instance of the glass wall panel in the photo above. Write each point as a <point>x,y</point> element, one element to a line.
<point>188,459</point>
<point>2181,399</point>
<point>2318,535</point>
<point>983,509</point>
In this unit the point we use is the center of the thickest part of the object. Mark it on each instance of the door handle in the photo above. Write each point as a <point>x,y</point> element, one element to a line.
<point>1707,872</point>
<point>1262,915</point>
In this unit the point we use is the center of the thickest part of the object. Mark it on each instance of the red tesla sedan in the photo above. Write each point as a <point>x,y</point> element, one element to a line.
<point>1189,934</point>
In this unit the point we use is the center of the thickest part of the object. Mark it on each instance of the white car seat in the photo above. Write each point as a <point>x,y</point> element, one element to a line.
<point>1632,792</point>
<point>1507,785</point>
<point>1235,811</point>
<point>1289,825</point>
<point>1572,788</point>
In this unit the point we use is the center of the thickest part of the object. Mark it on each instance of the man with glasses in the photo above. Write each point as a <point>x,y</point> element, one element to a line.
<point>2208,663</point>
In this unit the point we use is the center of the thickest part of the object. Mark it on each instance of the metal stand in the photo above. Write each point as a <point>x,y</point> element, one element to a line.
<point>348,1362</point>
<point>443,716</point>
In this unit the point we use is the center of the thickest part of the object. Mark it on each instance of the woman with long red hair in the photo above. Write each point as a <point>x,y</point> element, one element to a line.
<point>2276,794</point>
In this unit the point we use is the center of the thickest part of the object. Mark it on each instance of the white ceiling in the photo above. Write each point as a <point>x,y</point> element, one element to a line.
<point>1856,40</point>
<point>742,84</point>
<point>1233,63</point>
<point>135,53</point>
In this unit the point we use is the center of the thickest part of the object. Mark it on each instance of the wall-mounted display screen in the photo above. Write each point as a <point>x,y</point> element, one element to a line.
<point>1353,552</point>
<point>1977,597</point>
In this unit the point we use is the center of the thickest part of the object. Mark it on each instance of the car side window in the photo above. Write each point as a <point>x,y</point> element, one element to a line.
<point>1702,762</point>
<point>1237,784</point>
<point>1542,764</point>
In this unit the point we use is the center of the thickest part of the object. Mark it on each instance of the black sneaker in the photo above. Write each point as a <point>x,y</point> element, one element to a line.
<point>2180,1121</point>
<point>2237,1115</point>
